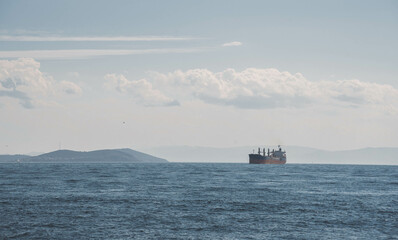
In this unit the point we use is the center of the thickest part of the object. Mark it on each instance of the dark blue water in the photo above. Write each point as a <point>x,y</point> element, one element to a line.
<point>198,201</point>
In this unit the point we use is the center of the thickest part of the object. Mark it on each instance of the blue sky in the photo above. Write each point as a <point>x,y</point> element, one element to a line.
<point>316,38</point>
<point>209,73</point>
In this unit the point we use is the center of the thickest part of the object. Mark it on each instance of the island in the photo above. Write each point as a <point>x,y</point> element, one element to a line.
<point>124,155</point>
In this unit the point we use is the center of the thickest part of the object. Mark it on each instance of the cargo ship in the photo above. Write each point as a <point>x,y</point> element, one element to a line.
<point>272,157</point>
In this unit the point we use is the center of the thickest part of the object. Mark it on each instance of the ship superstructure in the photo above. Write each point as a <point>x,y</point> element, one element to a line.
<point>270,157</point>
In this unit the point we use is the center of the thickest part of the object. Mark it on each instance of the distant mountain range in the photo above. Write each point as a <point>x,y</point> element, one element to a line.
<point>125,155</point>
<point>295,154</point>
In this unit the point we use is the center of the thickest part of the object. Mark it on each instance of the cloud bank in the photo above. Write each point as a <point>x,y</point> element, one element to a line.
<point>22,79</point>
<point>255,88</point>
<point>89,53</point>
<point>90,39</point>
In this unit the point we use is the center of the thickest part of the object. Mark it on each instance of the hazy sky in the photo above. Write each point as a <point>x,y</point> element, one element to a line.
<point>87,75</point>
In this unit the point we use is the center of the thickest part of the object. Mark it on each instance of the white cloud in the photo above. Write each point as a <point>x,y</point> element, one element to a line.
<point>141,90</point>
<point>232,44</point>
<point>90,39</point>
<point>251,88</point>
<point>22,79</point>
<point>89,53</point>
<point>270,88</point>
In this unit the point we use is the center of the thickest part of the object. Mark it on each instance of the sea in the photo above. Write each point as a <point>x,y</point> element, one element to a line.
<point>197,201</point>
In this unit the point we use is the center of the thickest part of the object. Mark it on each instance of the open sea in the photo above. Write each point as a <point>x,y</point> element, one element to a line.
<point>198,201</point>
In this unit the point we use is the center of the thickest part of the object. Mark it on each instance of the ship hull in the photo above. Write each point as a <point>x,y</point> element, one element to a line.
<point>267,162</point>
<point>259,159</point>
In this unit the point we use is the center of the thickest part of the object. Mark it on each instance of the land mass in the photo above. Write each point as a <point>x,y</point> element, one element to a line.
<point>124,155</point>
<point>295,154</point>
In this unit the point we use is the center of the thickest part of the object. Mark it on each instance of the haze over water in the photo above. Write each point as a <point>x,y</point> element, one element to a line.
<point>198,201</point>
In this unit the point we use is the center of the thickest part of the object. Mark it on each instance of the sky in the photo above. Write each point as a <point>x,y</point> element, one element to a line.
<point>87,75</point>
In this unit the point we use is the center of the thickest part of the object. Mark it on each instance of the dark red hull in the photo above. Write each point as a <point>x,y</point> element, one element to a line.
<point>266,161</point>
<point>260,159</point>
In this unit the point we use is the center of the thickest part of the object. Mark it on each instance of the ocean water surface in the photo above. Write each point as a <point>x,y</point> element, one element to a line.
<point>198,201</point>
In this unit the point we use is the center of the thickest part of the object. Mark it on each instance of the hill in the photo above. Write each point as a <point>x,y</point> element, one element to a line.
<point>99,156</point>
